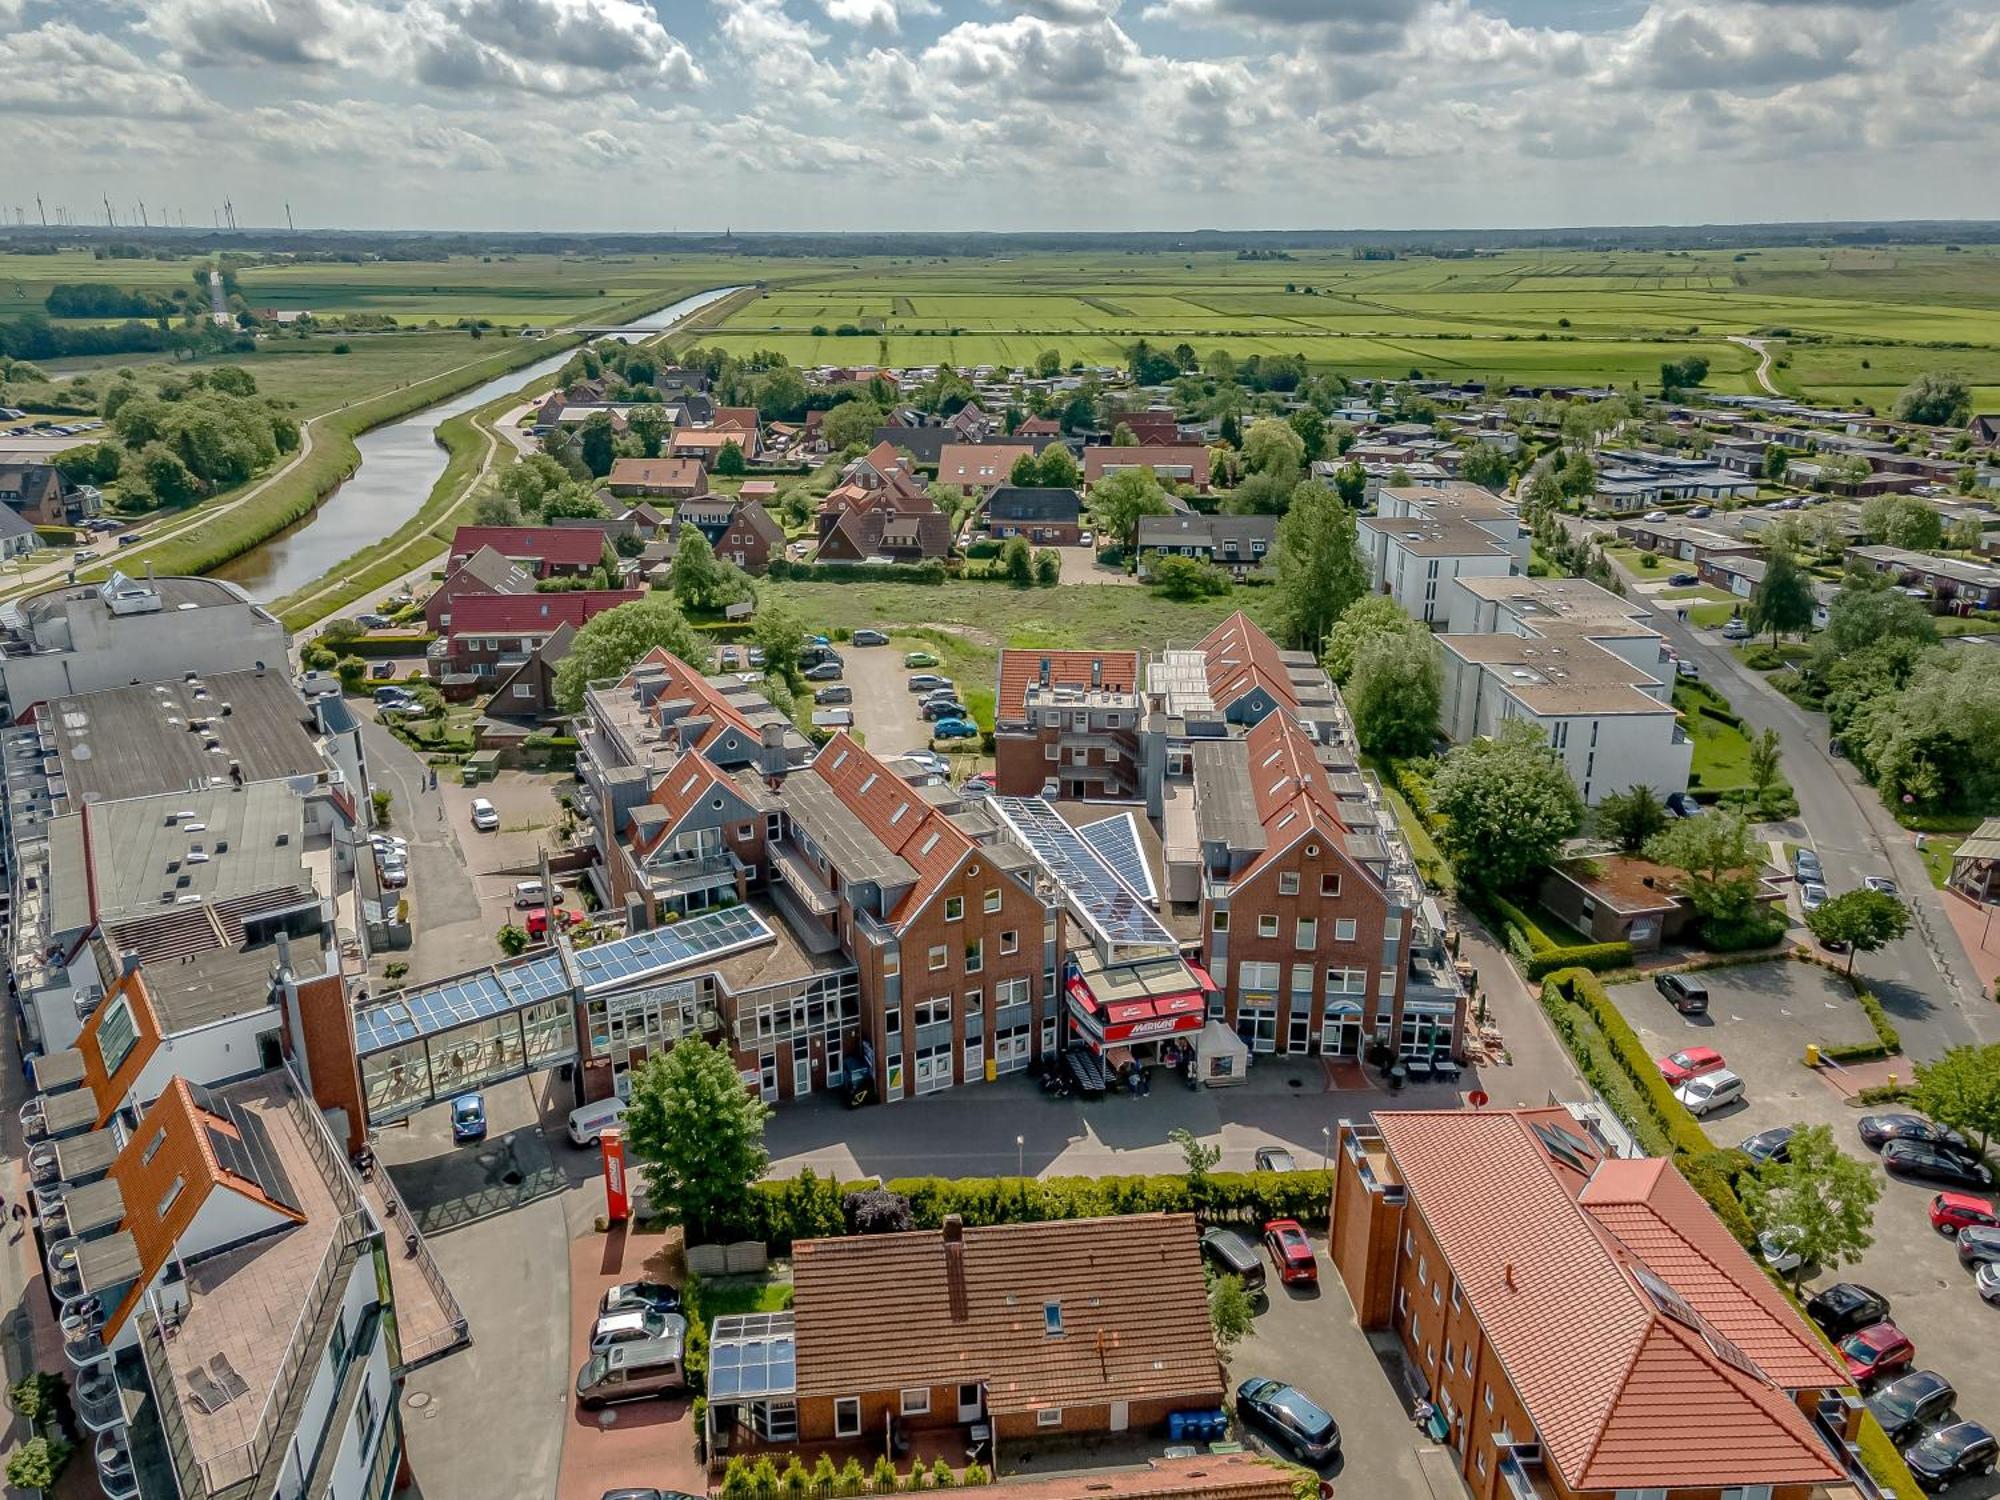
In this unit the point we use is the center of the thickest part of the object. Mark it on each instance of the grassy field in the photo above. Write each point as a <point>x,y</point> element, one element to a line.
<point>1515,317</point>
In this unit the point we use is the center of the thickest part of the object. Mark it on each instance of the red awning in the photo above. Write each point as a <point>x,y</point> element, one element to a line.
<point>1136,1020</point>
<point>1201,977</point>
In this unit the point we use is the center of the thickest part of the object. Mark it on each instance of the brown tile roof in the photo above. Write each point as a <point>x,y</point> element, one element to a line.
<point>981,465</point>
<point>657,473</point>
<point>922,837</point>
<point>1133,1299</point>
<point>1118,672</point>
<point>1100,457</point>
<point>1294,796</point>
<point>1241,656</point>
<point>1627,1387</point>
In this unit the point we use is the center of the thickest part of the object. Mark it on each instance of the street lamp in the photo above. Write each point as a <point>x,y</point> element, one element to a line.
<point>1326,1147</point>
<point>1020,1156</point>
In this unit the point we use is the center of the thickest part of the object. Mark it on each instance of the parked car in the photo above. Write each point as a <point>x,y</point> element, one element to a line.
<point>979,781</point>
<point>1688,994</point>
<point>1291,1252</point>
<point>929,760</point>
<point>485,816</point>
<point>395,876</point>
<point>728,659</point>
<point>1878,1130</point>
<point>382,669</point>
<point>955,729</point>
<point>373,622</point>
<point>629,1325</point>
<point>934,709</point>
<point>536,921</point>
<point>1774,1144</point>
<point>1708,1092</point>
<point>628,1372</point>
<point>468,1118</point>
<point>1276,1159</point>
<point>825,671</point>
<point>1085,538</point>
<point>1294,1419</point>
<point>1880,883</point>
<point>919,659</point>
<point>1910,1404</point>
<point>1702,512</point>
<point>1951,1212</point>
<point>1681,805</point>
<point>842,694</point>
<point>754,656</point>
<point>1656,515</point>
<point>530,893</point>
<point>1845,1306</point>
<point>1877,1352</point>
<point>1687,669</point>
<point>1735,630</point>
<point>1935,1163</point>
<point>1962,1450</point>
<point>1805,866</point>
<point>1778,1246</point>
<point>130,539</point>
<point>925,682</point>
<point>1233,1255</point>
<point>1987,1281</point>
<point>639,1296</point>
<point>1690,1062</point>
<point>869,636</point>
<point>392,693</point>
<point>1978,1245</point>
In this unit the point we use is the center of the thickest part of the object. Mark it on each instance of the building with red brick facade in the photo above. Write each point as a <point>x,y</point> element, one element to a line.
<point>1068,717</point>
<point>1582,1323</point>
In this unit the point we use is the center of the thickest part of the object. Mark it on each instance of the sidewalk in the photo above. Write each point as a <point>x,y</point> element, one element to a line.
<point>1539,1064</point>
<point>1978,929</point>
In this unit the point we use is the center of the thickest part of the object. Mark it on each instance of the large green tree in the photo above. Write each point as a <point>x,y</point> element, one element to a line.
<point>1782,601</point>
<point>1631,816</point>
<point>851,423</point>
<point>1902,521</point>
<point>1860,921</point>
<point>1508,805</point>
<point>1962,1089</point>
<point>1938,740</point>
<point>779,630</point>
<point>1937,398</point>
<point>597,444</point>
<point>1271,446</point>
<point>1719,861</point>
<point>1120,501</point>
<point>1486,465</point>
<point>1394,694</point>
<point>1318,566</point>
<point>607,646</point>
<point>699,1132</point>
<point>694,574</point>
<point>1368,618</point>
<point>1819,1200</point>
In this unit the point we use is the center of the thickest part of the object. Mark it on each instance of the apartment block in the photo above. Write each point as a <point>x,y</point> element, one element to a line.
<point>1423,539</point>
<point>1071,718</point>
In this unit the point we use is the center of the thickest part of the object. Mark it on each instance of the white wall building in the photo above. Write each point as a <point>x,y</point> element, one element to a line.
<point>1421,540</point>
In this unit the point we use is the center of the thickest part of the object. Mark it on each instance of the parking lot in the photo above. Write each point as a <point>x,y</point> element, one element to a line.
<point>1760,1018</point>
<point>885,710</point>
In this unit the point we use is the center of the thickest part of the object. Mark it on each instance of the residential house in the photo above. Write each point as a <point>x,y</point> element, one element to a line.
<point>524,696</point>
<point>881,526</point>
<point>1582,1323</point>
<point>35,492</point>
<point>1952,583</point>
<point>1069,1328</point>
<point>1687,541</point>
<point>491,634</point>
<point>980,467</point>
<point>484,571</point>
<point>1622,898</point>
<point>1045,516</point>
<point>1154,428</point>
<point>1173,464</point>
<point>545,551</point>
<point>664,478</point>
<point>882,467</point>
<point>926,444</point>
<point>1068,717</point>
<point>971,423</point>
<point>705,444</point>
<point>1579,663</point>
<point>1984,429</point>
<point>18,536</point>
<point>1239,544</point>
<point>738,531</point>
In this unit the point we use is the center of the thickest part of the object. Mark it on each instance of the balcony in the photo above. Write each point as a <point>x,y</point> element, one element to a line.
<point>95,1394</point>
<point>115,1474</point>
<point>1523,1476</point>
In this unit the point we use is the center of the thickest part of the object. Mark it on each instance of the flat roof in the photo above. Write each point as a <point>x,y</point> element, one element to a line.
<point>136,741</point>
<point>1445,536</point>
<point>854,851</point>
<point>213,986</point>
<point>1225,803</point>
<point>174,847</point>
<point>1559,674</point>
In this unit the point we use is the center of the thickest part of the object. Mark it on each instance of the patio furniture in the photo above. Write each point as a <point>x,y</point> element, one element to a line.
<point>1420,1069</point>
<point>1446,1069</point>
<point>233,1385</point>
<point>208,1396</point>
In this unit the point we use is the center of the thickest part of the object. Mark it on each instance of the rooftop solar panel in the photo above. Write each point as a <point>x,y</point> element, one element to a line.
<point>1117,841</point>
<point>463,998</point>
<point>642,954</point>
<point>1091,888</point>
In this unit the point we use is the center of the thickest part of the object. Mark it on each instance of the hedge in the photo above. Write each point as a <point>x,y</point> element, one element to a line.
<point>1888,1042</point>
<point>809,1206</point>
<point>783,568</point>
<point>388,645</point>
<point>1583,988</point>
<point>1539,956</point>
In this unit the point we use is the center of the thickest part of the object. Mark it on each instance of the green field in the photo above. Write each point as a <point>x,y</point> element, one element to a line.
<point>1499,317</point>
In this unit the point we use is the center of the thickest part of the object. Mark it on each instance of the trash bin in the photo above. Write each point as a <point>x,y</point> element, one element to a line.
<point>1812,1054</point>
<point>1176,1426</point>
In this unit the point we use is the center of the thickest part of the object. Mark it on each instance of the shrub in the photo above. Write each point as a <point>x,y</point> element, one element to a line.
<point>1586,990</point>
<point>1597,957</point>
<point>1887,1041</point>
<point>36,1463</point>
<point>381,798</point>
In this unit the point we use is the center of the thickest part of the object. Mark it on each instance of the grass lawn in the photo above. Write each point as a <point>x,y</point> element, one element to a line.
<point>1721,751</point>
<point>1936,854</point>
<point>724,1295</point>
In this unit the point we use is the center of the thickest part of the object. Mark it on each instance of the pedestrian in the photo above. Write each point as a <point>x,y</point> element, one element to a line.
<point>1422,1414</point>
<point>20,1212</point>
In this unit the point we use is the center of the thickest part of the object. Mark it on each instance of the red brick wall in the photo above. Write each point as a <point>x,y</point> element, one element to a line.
<point>328,1046</point>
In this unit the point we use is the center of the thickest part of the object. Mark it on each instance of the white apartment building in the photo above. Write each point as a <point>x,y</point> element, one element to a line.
<point>1421,540</point>
<point>1579,663</point>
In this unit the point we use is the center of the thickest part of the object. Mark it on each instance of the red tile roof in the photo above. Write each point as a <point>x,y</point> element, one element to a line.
<point>1134,1308</point>
<point>1192,456</point>
<point>513,614</point>
<point>1627,1389</point>
<point>685,682</point>
<point>979,464</point>
<point>656,473</point>
<point>924,838</point>
<point>1118,671</point>
<point>1241,657</point>
<point>1293,797</point>
<point>569,546</point>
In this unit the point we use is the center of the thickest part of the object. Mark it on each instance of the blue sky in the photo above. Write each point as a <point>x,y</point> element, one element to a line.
<point>1003,114</point>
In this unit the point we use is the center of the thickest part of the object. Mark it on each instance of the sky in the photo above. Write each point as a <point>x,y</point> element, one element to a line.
<point>696,115</point>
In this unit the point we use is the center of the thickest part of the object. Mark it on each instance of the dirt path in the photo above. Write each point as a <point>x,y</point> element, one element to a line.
<point>1763,353</point>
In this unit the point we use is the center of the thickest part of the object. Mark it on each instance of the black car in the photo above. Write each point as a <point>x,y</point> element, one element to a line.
<point>1293,1418</point>
<point>1683,580</point>
<point>640,1296</point>
<point>1233,1255</point>
<point>1690,995</point>
<point>1846,1306</point>
<point>1952,1453</point>
<point>1878,1130</point>
<point>1935,1163</point>
<point>1978,1245</point>
<point>1774,1144</point>
<point>1911,1405</point>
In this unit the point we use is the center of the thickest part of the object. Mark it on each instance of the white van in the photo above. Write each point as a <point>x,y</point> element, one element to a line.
<point>589,1121</point>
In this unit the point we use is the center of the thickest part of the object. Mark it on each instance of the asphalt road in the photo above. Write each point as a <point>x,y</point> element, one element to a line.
<point>1924,980</point>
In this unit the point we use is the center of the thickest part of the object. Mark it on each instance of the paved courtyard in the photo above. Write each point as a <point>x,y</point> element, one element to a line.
<point>885,710</point>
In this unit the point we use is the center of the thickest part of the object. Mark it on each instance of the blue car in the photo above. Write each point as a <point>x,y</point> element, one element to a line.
<point>468,1118</point>
<point>955,729</point>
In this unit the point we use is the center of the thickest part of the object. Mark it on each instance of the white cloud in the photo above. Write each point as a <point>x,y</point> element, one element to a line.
<point>60,69</point>
<point>877,15</point>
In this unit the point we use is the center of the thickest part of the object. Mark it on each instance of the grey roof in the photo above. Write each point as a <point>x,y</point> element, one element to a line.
<point>94,1206</point>
<point>1225,808</point>
<point>84,1155</point>
<point>1038,503</point>
<point>1197,528</point>
<point>832,825</point>
<point>110,1262</point>
<point>72,1111</point>
<point>58,1070</point>
<point>218,985</point>
<point>175,593</point>
<point>133,741</point>
<point>187,846</point>
<point>12,524</point>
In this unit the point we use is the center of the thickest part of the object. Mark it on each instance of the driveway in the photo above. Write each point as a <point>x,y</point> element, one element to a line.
<point>1080,566</point>
<point>885,710</point>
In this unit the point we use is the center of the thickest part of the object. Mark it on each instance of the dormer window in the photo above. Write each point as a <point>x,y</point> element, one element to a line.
<point>1052,1323</point>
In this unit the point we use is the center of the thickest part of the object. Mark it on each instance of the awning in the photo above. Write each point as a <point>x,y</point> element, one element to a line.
<point>1136,1020</point>
<point>1201,978</point>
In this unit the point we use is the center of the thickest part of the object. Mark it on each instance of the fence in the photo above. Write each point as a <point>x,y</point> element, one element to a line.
<point>456,1331</point>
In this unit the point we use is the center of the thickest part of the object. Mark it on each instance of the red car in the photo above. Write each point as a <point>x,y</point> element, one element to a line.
<point>1690,1062</point>
<point>1875,1351</point>
<point>1291,1252</point>
<point>1951,1212</point>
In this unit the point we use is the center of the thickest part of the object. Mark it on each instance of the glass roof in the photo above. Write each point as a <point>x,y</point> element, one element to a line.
<point>1090,886</point>
<point>642,954</point>
<point>751,1356</point>
<point>432,1008</point>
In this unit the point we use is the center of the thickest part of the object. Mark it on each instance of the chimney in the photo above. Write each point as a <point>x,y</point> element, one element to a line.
<point>954,1266</point>
<point>637,917</point>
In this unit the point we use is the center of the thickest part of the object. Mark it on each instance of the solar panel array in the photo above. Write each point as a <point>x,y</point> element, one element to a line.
<point>460,1000</point>
<point>1090,886</point>
<point>752,1355</point>
<point>1117,841</point>
<point>661,948</point>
